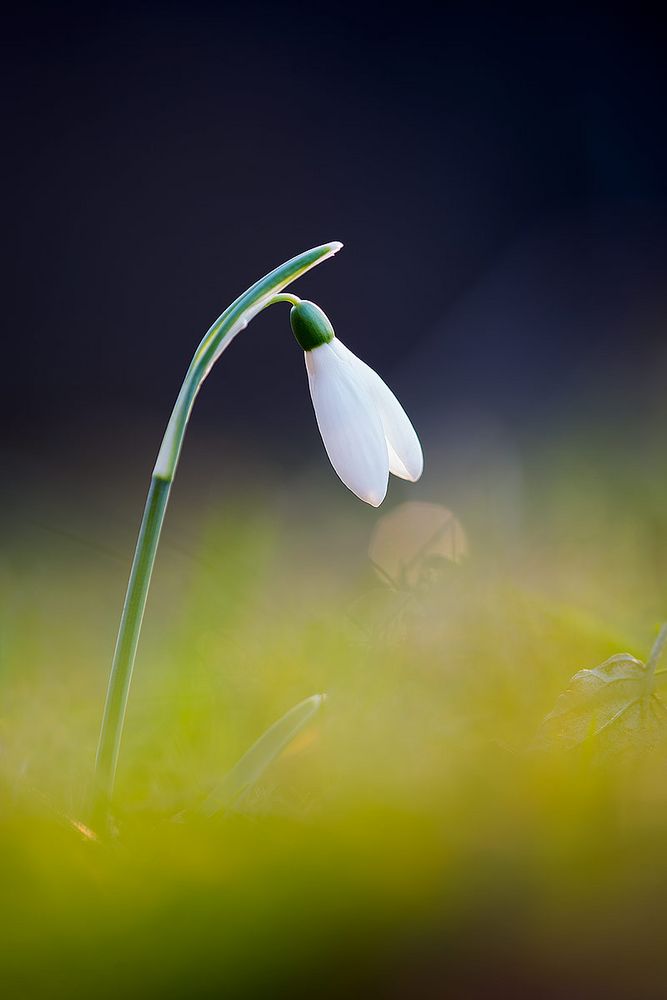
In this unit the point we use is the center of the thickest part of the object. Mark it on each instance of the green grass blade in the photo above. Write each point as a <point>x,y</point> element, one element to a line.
<point>255,761</point>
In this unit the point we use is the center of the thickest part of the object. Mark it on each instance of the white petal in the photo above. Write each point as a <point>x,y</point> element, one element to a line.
<point>406,459</point>
<point>349,424</point>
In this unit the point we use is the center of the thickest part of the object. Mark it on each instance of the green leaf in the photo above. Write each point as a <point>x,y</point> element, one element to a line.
<point>255,761</point>
<point>614,705</point>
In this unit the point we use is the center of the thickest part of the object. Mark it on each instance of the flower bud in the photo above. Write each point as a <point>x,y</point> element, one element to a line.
<point>310,325</point>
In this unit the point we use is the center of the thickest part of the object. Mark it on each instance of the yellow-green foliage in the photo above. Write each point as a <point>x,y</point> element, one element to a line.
<point>416,837</point>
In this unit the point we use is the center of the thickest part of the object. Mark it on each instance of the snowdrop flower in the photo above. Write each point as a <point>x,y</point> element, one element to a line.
<point>364,428</point>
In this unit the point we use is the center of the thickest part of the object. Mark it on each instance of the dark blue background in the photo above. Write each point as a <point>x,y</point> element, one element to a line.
<point>499,181</point>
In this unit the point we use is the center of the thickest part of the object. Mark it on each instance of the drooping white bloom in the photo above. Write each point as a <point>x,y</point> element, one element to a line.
<point>364,428</point>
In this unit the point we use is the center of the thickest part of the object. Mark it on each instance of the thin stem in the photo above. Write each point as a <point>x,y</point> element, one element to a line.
<point>235,318</point>
<point>128,633</point>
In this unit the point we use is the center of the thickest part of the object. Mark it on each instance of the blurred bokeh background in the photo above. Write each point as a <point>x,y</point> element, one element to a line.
<point>500,183</point>
<point>498,179</point>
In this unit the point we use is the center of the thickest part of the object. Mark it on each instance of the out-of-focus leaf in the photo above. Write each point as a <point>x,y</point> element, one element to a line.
<point>254,761</point>
<point>415,551</point>
<point>411,545</point>
<point>613,704</point>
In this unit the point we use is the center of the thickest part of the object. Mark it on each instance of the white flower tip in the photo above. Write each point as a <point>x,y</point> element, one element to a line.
<point>372,489</point>
<point>415,467</point>
<point>410,464</point>
<point>369,487</point>
<point>373,498</point>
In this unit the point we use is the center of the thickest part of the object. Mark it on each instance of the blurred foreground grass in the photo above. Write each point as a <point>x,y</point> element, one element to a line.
<point>413,840</point>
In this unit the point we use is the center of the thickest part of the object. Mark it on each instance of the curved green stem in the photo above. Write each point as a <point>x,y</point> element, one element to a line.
<point>235,318</point>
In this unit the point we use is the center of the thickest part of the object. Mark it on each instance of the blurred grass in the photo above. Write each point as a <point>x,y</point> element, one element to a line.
<point>411,841</point>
